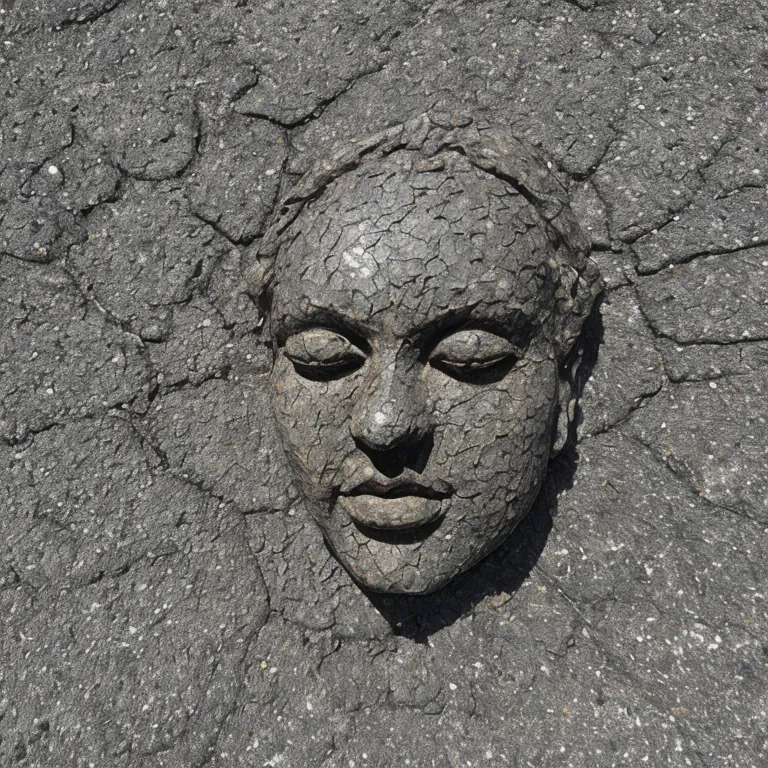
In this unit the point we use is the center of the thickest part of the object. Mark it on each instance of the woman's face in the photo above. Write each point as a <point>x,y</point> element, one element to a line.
<point>415,384</point>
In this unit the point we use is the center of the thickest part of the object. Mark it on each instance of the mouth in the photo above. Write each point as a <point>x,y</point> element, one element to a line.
<point>394,505</point>
<point>398,489</point>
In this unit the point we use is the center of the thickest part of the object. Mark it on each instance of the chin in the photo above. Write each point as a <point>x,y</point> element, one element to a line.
<point>389,568</point>
<point>411,561</point>
<point>424,584</point>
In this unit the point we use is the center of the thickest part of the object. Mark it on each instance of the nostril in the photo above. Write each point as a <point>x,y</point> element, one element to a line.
<point>418,453</point>
<point>391,462</point>
<point>388,461</point>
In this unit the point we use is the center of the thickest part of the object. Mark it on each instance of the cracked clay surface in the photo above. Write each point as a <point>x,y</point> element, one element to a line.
<point>174,419</point>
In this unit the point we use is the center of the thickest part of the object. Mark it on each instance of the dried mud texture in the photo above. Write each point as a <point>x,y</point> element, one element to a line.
<point>165,599</point>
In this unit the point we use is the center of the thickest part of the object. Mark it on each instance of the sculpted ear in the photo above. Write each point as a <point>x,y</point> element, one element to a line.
<point>574,372</point>
<point>577,299</point>
<point>258,283</point>
<point>566,403</point>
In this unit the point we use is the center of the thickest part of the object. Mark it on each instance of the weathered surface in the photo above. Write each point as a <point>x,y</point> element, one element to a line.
<point>59,356</point>
<point>141,148</point>
<point>423,314</point>
<point>125,593</point>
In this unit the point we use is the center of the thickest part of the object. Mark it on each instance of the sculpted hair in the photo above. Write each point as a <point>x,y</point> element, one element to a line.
<point>492,149</point>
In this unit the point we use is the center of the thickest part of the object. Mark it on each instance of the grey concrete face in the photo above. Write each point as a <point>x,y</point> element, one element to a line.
<point>418,362</point>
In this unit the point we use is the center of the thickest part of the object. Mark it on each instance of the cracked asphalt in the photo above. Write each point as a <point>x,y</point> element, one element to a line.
<point>164,599</point>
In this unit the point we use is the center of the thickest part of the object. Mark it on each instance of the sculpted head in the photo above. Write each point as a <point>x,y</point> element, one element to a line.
<point>425,289</point>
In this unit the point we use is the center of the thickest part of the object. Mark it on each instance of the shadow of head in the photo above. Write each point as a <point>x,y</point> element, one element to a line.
<point>503,572</point>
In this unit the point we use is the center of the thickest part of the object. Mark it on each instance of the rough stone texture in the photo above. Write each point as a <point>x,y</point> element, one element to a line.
<point>59,356</point>
<point>634,370</point>
<point>145,255</point>
<point>129,600</point>
<point>717,299</point>
<point>234,185</point>
<point>623,623</point>
<point>423,315</point>
<point>722,457</point>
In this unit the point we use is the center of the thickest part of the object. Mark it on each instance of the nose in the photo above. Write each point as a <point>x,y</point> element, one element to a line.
<point>392,414</point>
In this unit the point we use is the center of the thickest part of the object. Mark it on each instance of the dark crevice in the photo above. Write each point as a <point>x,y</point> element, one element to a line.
<point>584,176</point>
<point>657,334</point>
<point>703,379</point>
<point>673,215</point>
<point>711,342</point>
<point>149,442</point>
<point>88,18</point>
<point>688,482</point>
<point>119,407</point>
<point>601,248</point>
<point>636,406</point>
<point>238,93</point>
<point>220,374</point>
<point>214,225</point>
<point>193,155</point>
<point>88,298</point>
<point>319,107</point>
<point>700,254</point>
<point>113,197</point>
<point>29,434</point>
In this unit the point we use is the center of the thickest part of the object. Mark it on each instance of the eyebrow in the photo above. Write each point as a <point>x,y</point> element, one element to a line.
<point>516,325</point>
<point>516,322</point>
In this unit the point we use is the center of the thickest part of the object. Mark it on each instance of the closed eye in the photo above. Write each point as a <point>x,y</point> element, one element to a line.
<point>320,354</point>
<point>475,356</point>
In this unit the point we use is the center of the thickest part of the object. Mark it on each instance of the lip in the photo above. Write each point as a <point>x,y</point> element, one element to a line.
<point>391,513</point>
<point>376,501</point>
<point>398,488</point>
<point>385,503</point>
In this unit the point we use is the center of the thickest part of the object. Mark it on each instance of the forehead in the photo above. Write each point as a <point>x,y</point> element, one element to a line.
<point>397,242</point>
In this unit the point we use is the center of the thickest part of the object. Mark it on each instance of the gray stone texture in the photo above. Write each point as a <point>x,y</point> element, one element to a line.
<point>164,598</point>
<point>423,315</point>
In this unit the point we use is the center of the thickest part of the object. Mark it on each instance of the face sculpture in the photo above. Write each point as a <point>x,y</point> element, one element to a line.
<point>417,376</point>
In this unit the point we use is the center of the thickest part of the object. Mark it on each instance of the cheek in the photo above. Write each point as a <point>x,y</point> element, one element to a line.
<point>312,419</point>
<point>494,441</point>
